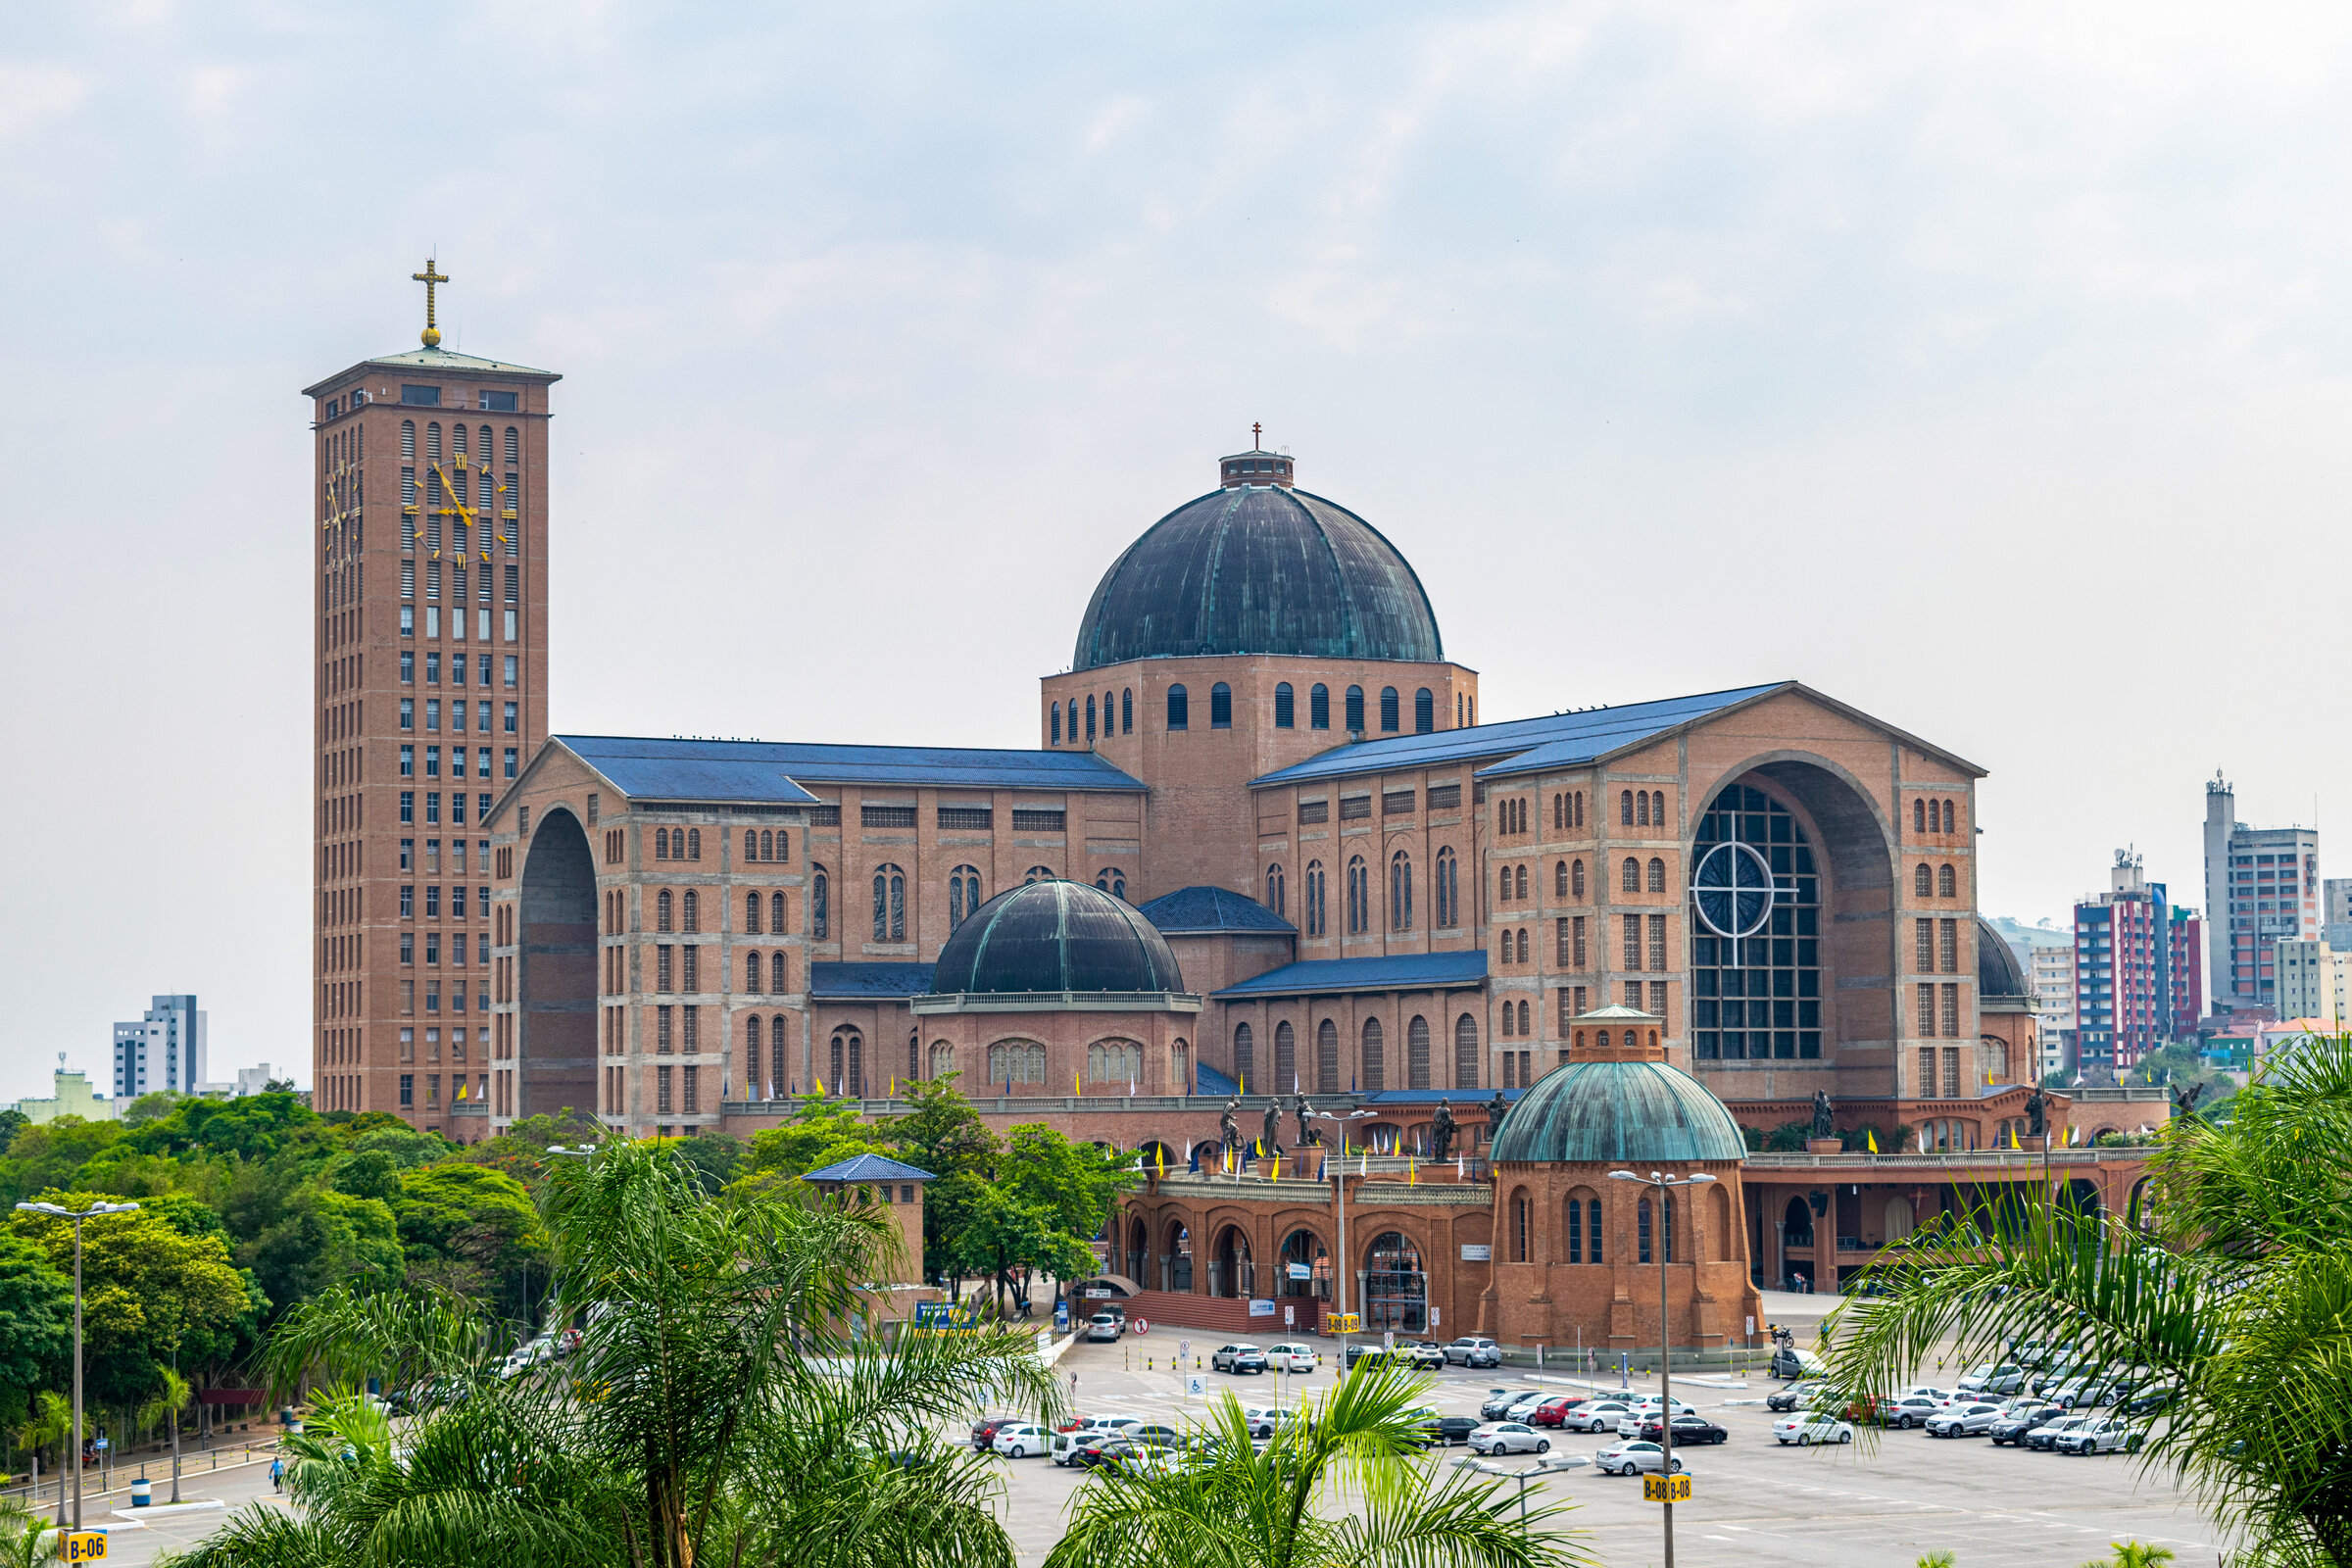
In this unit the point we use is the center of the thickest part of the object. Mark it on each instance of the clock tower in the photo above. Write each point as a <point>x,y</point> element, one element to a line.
<point>431,654</point>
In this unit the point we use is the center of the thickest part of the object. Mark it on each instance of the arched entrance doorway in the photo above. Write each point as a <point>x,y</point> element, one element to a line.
<point>554,1045</point>
<point>1306,1266</point>
<point>1176,1260</point>
<point>1396,1285</point>
<point>1233,1272</point>
<point>1136,1247</point>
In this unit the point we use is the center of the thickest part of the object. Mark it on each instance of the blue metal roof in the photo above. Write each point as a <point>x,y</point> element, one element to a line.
<point>1206,1080</point>
<point>869,1169</point>
<point>868,982</point>
<point>645,768</point>
<point>1603,1111</point>
<point>1404,971</point>
<point>1557,739</point>
<point>1194,910</point>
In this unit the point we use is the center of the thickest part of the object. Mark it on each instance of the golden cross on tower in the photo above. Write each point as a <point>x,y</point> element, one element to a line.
<point>428,277</point>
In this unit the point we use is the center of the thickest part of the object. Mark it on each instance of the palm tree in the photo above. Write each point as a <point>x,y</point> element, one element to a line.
<point>1233,1507</point>
<point>2232,1295</point>
<point>26,1540</point>
<point>50,1419</point>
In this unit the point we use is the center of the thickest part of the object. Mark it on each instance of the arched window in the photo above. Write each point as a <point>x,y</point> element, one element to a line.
<point>1284,708</point>
<point>1641,808</point>
<point>1921,885</point>
<point>753,974</point>
<point>1502,885</point>
<point>1919,815</point>
<point>694,843</point>
<point>1519,884</point>
<point>943,1058</point>
<point>1056,711</point>
<point>1948,826</point>
<point>1318,707</point>
<point>963,894</point>
<point>1559,879</point>
<point>662,908</point>
<point>1179,709</point>
<point>1277,894</point>
<point>751,914</point>
<point>1948,885</point>
<point>821,911</point>
<point>890,905</point>
<point>1359,896</point>
<point>1425,712</point>
<point>661,844</point>
<point>1527,1014</point>
<point>1355,709</point>
<point>1400,891</point>
<point>775,913</point>
<point>1090,716</point>
<point>750,845</point>
<point>1036,873</point>
<point>1657,807</point>
<point>1509,1019</point>
<point>1327,1058</point>
<point>432,442</point>
<point>1375,1059</point>
<point>1447,890</point>
<point>1111,880</point>
<point>1576,880</point>
<point>1629,877</point>
<point>693,920</point>
<point>1416,1053</point>
<point>1388,710</point>
<point>1521,944</point>
<point>1285,1057</point>
<point>1641,1230</point>
<point>407,439</point>
<point>1657,874</point>
<point>1220,706</point>
<point>779,973</point>
<point>1625,809</point>
<point>1245,1055</point>
<point>1127,710</point>
<point>1465,1052</point>
<point>1314,911</point>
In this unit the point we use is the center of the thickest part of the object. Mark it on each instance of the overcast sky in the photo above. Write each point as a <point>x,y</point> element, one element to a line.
<point>1981,365</point>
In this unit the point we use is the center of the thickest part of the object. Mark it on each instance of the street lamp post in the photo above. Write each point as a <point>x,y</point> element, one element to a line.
<point>1664,1186</point>
<point>58,1211</point>
<point>1340,1189</point>
<point>1546,1466</point>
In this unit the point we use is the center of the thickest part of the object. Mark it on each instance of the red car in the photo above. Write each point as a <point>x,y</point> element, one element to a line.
<point>1551,1411</point>
<point>984,1430</point>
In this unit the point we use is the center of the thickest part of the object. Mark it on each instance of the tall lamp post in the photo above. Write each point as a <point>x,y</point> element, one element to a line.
<point>1340,1190</point>
<point>58,1211</point>
<point>1664,1186</point>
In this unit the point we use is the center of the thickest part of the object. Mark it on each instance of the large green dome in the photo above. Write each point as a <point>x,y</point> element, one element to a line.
<point>1633,1112</point>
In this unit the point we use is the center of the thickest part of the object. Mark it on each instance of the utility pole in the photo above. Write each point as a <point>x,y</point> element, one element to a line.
<point>1664,1187</point>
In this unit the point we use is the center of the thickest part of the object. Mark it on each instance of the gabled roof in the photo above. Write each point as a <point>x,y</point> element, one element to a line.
<point>1403,971</point>
<point>645,768</point>
<point>869,1169</point>
<point>1562,740</point>
<point>1190,911</point>
<point>868,982</point>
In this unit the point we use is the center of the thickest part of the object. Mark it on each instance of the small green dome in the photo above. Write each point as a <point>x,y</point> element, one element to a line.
<point>1601,1112</point>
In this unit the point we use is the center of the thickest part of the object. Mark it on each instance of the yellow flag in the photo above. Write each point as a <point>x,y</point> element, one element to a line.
<point>1277,1167</point>
<point>1076,1088</point>
<point>1245,1083</point>
<point>1873,1137</point>
<point>2013,1143</point>
<point>1412,1173</point>
<point>1164,1159</point>
<point>820,1088</point>
<point>460,1088</point>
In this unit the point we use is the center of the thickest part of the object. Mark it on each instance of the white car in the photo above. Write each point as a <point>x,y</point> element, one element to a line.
<point>1019,1440</point>
<point>1294,1358</point>
<point>1068,1441</point>
<point>1965,1420</point>
<point>1236,1358</point>
<point>1629,1424</point>
<point>1527,1402</point>
<point>1628,1458</point>
<point>1263,1420</point>
<point>1508,1437</point>
<point>1105,1328</point>
<point>1994,1377</point>
<point>1806,1429</point>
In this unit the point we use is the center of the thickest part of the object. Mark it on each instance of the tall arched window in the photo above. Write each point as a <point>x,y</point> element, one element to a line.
<point>693,910</point>
<point>407,439</point>
<point>751,1051</point>
<point>750,845</point>
<point>1948,885</point>
<point>1416,1053</point>
<point>1641,1230</point>
<point>1400,891</point>
<point>1327,1058</point>
<point>751,914</point>
<point>1625,809</point>
<point>1657,874</point>
<point>1375,1059</point>
<point>754,973</point>
<point>1920,884</point>
<point>1220,706</point>
<point>1425,712</point>
<point>1056,711</point>
<point>1465,1052</point>
<point>661,844</point>
<point>662,911</point>
<point>1641,808</point>
<point>1509,1025</point>
<point>1576,880</point>
<point>890,905</point>
<point>1559,879</point>
<point>775,913</point>
<point>1318,707</point>
<point>779,973</point>
<point>1519,883</point>
<point>1389,719</point>
<point>1127,710</point>
<point>1359,896</point>
<point>1948,818</point>
<point>1090,716</point>
<point>1447,890</point>
<point>1277,898</point>
<point>1919,815</point>
<point>1283,706</point>
<point>1521,944</point>
<point>1355,709</point>
<point>1657,807</point>
<point>963,894</point>
<point>1285,1057</point>
<point>820,907</point>
<point>1245,1055</point>
<point>943,1059</point>
<point>1629,877</point>
<point>1179,709</point>
<point>1502,884</point>
<point>694,843</point>
<point>1315,911</point>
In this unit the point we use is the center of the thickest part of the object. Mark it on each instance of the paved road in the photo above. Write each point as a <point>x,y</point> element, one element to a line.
<point>139,1535</point>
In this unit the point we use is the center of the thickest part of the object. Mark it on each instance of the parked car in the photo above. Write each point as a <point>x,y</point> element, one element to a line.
<point>1629,1457</point>
<point>1551,1411</point>
<point>1087,1429</point>
<point>1498,1403</point>
<point>1789,1362</point>
<point>1795,1397</point>
<point>1693,1429</point>
<point>1265,1420</point>
<point>1149,1434</point>
<point>2055,1375</point>
<point>1590,1415</point>
<point>1019,1440</point>
<point>1099,1449</point>
<point>1629,1424</point>
<point>2083,1393</point>
<point>1964,1420</point>
<point>1238,1358</point>
<point>2039,1352</point>
<point>1994,1377</point>
<point>1523,1406</point>
<point>1453,1429</point>
<point>1427,1354</point>
<point>984,1430</point>
<point>1508,1437</point>
<point>2046,1438</point>
<point>1907,1410</point>
<point>2019,1417</point>
<point>1293,1357</point>
<point>1473,1350</point>
<point>1805,1429</point>
<point>1105,1327</point>
<point>2099,1437</point>
<point>2148,1404</point>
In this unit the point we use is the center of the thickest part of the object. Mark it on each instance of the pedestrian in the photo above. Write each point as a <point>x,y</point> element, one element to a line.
<point>1073,1388</point>
<point>277,1474</point>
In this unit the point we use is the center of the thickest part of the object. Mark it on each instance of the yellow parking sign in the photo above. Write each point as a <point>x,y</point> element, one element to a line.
<point>86,1545</point>
<point>1666,1488</point>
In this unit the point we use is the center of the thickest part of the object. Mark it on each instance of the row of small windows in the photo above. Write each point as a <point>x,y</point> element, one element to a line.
<point>1445,889</point>
<point>1934,817</point>
<point>1368,1074</point>
<point>1060,715</point>
<point>1642,808</point>
<point>432,442</point>
<point>1936,882</point>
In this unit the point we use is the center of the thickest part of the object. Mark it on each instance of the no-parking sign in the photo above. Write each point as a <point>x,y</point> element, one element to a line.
<point>1143,1325</point>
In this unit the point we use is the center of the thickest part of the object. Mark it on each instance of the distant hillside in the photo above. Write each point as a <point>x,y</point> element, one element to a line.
<point>2024,939</point>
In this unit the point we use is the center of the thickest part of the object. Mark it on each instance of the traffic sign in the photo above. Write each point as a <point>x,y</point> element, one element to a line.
<point>1666,1488</point>
<point>1143,1325</point>
<point>1290,1316</point>
<point>84,1546</point>
<point>1195,1385</point>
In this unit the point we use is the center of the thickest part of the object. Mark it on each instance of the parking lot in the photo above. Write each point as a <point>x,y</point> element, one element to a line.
<point>1755,1502</point>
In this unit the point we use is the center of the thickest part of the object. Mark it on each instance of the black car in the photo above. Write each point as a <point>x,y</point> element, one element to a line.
<point>1688,1428</point>
<point>1453,1429</point>
<point>1500,1401</point>
<point>2013,1426</point>
<point>1105,1450</point>
<point>1790,1398</point>
<point>2150,1403</point>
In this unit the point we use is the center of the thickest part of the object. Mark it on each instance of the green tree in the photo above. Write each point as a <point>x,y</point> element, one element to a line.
<point>52,1153</point>
<point>150,1106</point>
<point>255,1126</point>
<point>472,1229</point>
<point>819,1132</point>
<point>1265,1508</point>
<point>36,1324</point>
<point>2234,1289</point>
<point>26,1539</point>
<point>521,1152</point>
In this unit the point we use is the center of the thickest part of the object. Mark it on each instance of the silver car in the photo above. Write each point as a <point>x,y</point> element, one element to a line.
<point>1994,1377</point>
<point>1628,1458</point>
<point>1965,1420</point>
<point>1508,1437</point>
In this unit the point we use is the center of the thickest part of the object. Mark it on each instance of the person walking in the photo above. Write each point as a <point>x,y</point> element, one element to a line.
<point>277,1474</point>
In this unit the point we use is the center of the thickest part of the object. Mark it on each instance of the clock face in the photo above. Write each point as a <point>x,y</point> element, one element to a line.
<point>1733,890</point>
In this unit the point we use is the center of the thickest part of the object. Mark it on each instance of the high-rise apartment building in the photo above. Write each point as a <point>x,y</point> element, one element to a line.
<point>2262,884</point>
<point>431,646</point>
<point>2054,1001</point>
<point>2134,961</point>
<point>2335,913</point>
<point>2315,981</point>
<point>164,1051</point>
